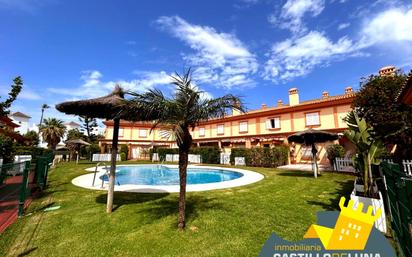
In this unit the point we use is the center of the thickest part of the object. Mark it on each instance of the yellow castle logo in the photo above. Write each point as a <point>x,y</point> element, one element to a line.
<point>351,231</point>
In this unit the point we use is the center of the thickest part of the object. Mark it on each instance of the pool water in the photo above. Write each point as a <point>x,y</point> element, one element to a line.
<point>162,175</point>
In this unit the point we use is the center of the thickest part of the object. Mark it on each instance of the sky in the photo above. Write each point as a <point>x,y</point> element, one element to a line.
<point>256,49</point>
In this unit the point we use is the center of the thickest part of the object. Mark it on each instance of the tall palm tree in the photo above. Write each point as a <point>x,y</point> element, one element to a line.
<point>43,108</point>
<point>52,131</point>
<point>179,115</point>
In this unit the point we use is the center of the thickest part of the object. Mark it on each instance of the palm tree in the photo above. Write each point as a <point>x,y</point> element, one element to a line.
<point>179,115</point>
<point>43,108</point>
<point>52,131</point>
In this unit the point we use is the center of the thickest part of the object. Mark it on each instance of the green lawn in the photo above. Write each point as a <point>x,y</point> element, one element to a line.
<point>232,222</point>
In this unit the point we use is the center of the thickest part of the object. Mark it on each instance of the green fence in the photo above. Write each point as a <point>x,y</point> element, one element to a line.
<point>18,179</point>
<point>42,170</point>
<point>399,193</point>
<point>18,173</point>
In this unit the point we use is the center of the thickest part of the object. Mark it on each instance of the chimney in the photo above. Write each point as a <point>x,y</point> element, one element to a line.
<point>264,106</point>
<point>280,103</point>
<point>348,90</point>
<point>293,96</point>
<point>387,71</point>
<point>325,94</point>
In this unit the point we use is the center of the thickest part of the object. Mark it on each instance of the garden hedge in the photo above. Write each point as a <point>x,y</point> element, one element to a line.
<point>262,156</point>
<point>208,154</point>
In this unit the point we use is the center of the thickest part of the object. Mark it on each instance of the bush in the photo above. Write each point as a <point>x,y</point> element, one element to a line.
<point>124,149</point>
<point>262,157</point>
<point>208,154</point>
<point>6,146</point>
<point>123,156</point>
<point>31,150</point>
<point>92,149</point>
<point>334,151</point>
<point>162,152</point>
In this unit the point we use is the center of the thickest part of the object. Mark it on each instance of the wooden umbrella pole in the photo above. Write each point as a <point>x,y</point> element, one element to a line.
<point>314,163</point>
<point>112,174</point>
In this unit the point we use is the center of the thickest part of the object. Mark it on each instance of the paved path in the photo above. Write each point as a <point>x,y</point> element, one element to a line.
<point>304,167</point>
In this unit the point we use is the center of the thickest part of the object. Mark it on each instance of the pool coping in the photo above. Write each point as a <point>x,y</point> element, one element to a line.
<point>248,177</point>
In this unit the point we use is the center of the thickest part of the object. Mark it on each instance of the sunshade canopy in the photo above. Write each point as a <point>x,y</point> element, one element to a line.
<point>106,107</point>
<point>312,136</point>
<point>77,142</point>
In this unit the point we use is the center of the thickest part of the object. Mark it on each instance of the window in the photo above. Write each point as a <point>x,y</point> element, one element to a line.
<point>220,129</point>
<point>142,132</point>
<point>243,126</point>
<point>201,132</point>
<point>121,132</point>
<point>273,123</point>
<point>312,119</point>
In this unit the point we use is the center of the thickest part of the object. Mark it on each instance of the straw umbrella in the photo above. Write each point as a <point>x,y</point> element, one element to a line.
<point>78,143</point>
<point>107,107</point>
<point>311,137</point>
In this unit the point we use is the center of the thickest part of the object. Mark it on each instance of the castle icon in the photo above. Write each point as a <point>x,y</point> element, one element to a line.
<point>351,231</point>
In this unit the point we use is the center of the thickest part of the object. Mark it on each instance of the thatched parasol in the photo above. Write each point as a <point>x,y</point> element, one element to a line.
<point>106,107</point>
<point>77,143</point>
<point>311,137</point>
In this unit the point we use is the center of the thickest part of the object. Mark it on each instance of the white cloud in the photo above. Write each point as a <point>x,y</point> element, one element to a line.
<point>293,12</point>
<point>299,56</point>
<point>390,25</point>
<point>26,93</point>
<point>94,86</point>
<point>218,57</point>
<point>343,26</point>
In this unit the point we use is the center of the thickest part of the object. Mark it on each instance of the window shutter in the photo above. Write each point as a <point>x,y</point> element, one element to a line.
<point>277,123</point>
<point>268,124</point>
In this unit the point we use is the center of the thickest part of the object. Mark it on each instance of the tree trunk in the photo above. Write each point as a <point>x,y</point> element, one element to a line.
<point>183,160</point>
<point>112,174</point>
<point>41,118</point>
<point>184,148</point>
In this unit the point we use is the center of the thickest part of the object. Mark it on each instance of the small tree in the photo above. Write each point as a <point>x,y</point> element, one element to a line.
<point>74,134</point>
<point>391,121</point>
<point>6,148</point>
<point>368,149</point>
<point>87,125</point>
<point>179,115</point>
<point>334,151</point>
<point>14,92</point>
<point>52,131</point>
<point>43,108</point>
<point>33,138</point>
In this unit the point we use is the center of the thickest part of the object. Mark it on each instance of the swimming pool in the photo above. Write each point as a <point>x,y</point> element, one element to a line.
<point>163,175</point>
<point>156,178</point>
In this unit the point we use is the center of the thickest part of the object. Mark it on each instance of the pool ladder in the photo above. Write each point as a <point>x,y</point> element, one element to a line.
<point>107,173</point>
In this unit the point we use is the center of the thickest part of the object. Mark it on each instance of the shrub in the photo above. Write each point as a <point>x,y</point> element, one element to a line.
<point>124,149</point>
<point>31,150</point>
<point>6,146</point>
<point>262,157</point>
<point>334,151</point>
<point>92,149</point>
<point>162,152</point>
<point>123,156</point>
<point>208,154</point>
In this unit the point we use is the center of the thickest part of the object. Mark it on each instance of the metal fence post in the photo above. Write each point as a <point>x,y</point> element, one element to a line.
<point>23,189</point>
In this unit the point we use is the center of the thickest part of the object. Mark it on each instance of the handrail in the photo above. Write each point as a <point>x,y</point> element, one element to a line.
<point>95,171</point>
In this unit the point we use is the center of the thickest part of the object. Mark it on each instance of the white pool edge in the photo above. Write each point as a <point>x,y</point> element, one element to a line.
<point>249,177</point>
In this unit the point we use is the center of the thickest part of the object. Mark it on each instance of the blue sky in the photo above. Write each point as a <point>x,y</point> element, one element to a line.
<point>258,49</point>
